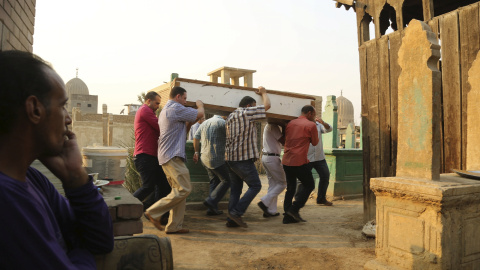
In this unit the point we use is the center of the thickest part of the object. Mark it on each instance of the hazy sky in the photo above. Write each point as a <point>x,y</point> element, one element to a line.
<point>123,48</point>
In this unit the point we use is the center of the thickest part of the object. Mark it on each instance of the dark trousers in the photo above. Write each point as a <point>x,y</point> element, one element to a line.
<point>154,182</point>
<point>307,185</point>
<point>322,169</point>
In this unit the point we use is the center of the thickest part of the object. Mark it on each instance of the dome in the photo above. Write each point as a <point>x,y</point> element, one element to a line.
<point>76,86</point>
<point>345,112</point>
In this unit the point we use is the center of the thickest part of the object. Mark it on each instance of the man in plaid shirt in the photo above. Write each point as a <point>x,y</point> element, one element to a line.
<point>241,152</point>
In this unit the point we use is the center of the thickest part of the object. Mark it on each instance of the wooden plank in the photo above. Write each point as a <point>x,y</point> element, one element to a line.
<point>395,43</point>
<point>384,105</point>
<point>469,47</point>
<point>368,195</point>
<point>427,10</point>
<point>451,88</point>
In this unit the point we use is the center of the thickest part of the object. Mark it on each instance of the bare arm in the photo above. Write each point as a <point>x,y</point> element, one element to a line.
<point>266,100</point>
<point>196,146</point>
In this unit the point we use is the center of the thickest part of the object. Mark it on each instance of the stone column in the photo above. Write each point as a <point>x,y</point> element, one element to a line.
<point>105,124</point>
<point>350,137</point>
<point>330,116</point>
<point>225,76</point>
<point>235,81</point>
<point>248,80</point>
<point>473,117</point>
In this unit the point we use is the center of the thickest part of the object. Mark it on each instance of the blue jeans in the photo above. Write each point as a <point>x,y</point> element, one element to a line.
<point>241,171</point>
<point>322,169</point>
<point>154,182</point>
<point>307,185</point>
<point>219,183</point>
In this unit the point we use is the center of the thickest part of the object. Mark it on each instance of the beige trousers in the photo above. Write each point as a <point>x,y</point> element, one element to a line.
<point>179,178</point>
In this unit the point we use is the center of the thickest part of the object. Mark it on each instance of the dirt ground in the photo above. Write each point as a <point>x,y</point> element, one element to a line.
<point>330,239</point>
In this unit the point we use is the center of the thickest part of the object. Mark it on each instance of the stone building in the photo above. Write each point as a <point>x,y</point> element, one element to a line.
<point>79,96</point>
<point>17,20</point>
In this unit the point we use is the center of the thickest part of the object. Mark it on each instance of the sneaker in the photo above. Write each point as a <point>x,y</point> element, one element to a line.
<point>215,212</point>
<point>288,219</point>
<point>155,222</point>
<point>264,208</point>
<point>237,219</point>
<point>271,215</point>
<point>325,202</point>
<point>231,224</point>
<point>295,215</point>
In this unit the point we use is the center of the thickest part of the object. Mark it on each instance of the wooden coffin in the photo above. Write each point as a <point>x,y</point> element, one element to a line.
<point>222,99</point>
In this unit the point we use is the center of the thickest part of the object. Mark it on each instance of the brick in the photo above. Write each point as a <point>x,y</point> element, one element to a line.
<point>16,44</point>
<point>127,227</point>
<point>129,211</point>
<point>31,6</point>
<point>24,40</point>
<point>1,34</point>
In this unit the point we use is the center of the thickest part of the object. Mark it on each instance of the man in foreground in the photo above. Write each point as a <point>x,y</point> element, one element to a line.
<point>154,182</point>
<point>41,229</point>
<point>171,155</point>
<point>299,134</point>
<point>241,153</point>
<point>212,136</point>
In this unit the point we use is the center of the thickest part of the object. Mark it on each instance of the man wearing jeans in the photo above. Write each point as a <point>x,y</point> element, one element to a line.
<point>299,134</point>
<point>316,156</point>
<point>211,134</point>
<point>171,155</point>
<point>154,182</point>
<point>241,153</point>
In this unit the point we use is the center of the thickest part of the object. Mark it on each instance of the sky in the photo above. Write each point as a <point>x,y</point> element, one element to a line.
<point>123,48</point>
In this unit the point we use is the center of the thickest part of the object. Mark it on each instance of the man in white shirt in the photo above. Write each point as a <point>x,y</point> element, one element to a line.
<point>273,139</point>
<point>316,156</point>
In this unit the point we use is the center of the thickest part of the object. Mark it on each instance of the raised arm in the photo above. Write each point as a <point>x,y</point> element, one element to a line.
<point>266,100</point>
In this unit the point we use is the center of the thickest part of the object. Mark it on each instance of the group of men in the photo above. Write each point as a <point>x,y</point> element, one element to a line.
<point>58,232</point>
<point>228,153</point>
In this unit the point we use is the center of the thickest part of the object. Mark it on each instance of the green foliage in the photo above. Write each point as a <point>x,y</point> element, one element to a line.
<point>132,177</point>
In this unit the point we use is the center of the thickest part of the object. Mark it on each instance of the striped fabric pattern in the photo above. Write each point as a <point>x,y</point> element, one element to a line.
<point>242,133</point>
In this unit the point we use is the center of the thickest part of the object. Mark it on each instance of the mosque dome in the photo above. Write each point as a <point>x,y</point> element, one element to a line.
<point>76,86</point>
<point>345,112</point>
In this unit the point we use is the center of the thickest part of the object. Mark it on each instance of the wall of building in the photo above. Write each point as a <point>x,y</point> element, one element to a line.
<point>17,19</point>
<point>86,103</point>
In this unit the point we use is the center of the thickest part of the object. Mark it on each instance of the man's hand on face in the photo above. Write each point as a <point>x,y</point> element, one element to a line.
<point>67,165</point>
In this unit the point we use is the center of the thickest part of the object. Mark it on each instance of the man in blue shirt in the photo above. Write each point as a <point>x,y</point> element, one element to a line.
<point>41,229</point>
<point>212,135</point>
<point>173,121</point>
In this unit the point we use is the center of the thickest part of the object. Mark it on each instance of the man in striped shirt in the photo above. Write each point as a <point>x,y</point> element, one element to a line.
<point>241,152</point>
<point>173,121</point>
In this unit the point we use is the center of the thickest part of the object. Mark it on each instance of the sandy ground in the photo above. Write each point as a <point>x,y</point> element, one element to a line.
<point>330,239</point>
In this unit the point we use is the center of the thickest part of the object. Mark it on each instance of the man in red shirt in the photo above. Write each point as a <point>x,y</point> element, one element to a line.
<point>298,136</point>
<point>154,182</point>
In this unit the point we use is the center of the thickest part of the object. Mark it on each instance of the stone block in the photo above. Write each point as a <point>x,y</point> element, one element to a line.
<point>423,224</point>
<point>127,227</point>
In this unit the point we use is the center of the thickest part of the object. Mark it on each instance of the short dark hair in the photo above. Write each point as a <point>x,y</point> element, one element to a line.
<point>307,108</point>
<point>247,100</point>
<point>177,90</point>
<point>22,75</point>
<point>151,95</point>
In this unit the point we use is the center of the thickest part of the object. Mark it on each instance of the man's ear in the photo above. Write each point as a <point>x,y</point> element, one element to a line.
<point>34,109</point>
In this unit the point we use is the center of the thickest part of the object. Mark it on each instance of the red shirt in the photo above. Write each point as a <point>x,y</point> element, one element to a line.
<point>299,134</point>
<point>147,131</point>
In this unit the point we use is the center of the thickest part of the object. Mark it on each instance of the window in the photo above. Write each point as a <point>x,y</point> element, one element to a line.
<point>89,105</point>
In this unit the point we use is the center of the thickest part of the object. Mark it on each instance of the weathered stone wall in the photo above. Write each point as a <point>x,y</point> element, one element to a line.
<point>17,19</point>
<point>123,134</point>
<point>88,133</point>
<point>86,103</point>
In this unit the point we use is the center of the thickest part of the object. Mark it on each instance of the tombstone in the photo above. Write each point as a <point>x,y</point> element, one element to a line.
<point>425,220</point>
<point>350,137</point>
<point>331,117</point>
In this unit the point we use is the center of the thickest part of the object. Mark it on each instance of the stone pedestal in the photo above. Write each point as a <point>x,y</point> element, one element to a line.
<point>346,173</point>
<point>424,224</point>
